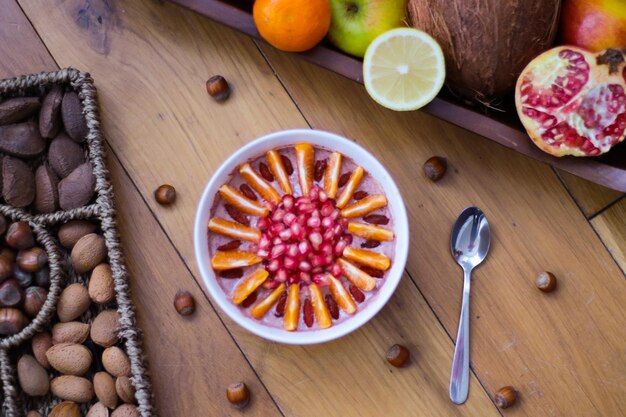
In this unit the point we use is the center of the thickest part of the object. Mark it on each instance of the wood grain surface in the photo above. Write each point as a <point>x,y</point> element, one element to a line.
<point>150,61</point>
<point>611,227</point>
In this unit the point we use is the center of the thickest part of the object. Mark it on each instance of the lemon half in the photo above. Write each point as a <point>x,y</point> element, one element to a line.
<point>403,69</point>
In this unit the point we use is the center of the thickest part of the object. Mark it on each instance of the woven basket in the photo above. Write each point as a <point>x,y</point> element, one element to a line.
<point>102,212</point>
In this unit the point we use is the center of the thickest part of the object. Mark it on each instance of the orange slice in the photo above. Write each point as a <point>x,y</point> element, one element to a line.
<point>322,315</point>
<point>364,206</point>
<point>350,188</point>
<point>249,284</point>
<point>369,231</point>
<point>367,257</point>
<point>304,159</point>
<point>234,229</point>
<point>258,183</point>
<point>292,308</point>
<point>341,296</point>
<point>278,170</point>
<point>331,177</point>
<point>259,310</point>
<point>223,260</point>
<point>235,198</point>
<point>356,276</point>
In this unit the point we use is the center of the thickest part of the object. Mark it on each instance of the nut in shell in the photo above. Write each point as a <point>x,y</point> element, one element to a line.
<point>165,194</point>
<point>20,236</point>
<point>12,320</point>
<point>65,155</point>
<point>32,377</point>
<point>101,284</point>
<point>77,189</point>
<point>435,167</point>
<point>69,233</point>
<point>70,358</point>
<point>72,388</point>
<point>73,302</point>
<point>18,182</point>
<point>18,109</point>
<point>184,303</point>
<point>49,115</point>
<point>11,294</point>
<point>32,259</point>
<point>70,332</point>
<point>21,140</point>
<point>546,281</point>
<point>40,343</point>
<point>238,394</point>
<point>125,389</point>
<point>65,409</point>
<point>88,252</point>
<point>104,387</point>
<point>34,299</point>
<point>505,397</point>
<point>218,88</point>
<point>126,410</point>
<point>398,356</point>
<point>73,117</point>
<point>115,361</point>
<point>98,410</point>
<point>46,190</point>
<point>104,328</point>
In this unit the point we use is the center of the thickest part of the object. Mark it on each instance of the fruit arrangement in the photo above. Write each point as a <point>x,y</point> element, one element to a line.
<point>304,231</point>
<point>65,316</point>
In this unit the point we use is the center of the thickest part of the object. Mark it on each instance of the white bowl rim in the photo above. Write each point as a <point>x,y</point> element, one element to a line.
<point>330,141</point>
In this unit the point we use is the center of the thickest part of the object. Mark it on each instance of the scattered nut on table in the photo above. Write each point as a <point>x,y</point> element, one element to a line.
<point>506,397</point>
<point>218,88</point>
<point>398,355</point>
<point>238,394</point>
<point>165,194</point>
<point>435,167</point>
<point>184,303</point>
<point>546,281</point>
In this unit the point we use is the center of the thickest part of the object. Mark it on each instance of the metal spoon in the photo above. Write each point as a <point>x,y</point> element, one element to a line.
<point>469,243</point>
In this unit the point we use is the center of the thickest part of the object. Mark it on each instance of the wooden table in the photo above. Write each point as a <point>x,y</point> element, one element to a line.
<point>564,351</point>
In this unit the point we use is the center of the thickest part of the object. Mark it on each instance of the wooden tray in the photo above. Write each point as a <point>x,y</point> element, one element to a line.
<point>502,127</point>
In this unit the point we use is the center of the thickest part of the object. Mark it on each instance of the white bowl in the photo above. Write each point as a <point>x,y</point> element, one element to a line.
<point>329,141</point>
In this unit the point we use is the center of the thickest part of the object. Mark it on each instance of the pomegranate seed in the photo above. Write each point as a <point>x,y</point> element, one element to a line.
<point>280,305</point>
<point>329,234</point>
<point>233,244</point>
<point>314,193</point>
<point>370,244</point>
<point>268,204</point>
<point>290,263</point>
<point>253,247</point>
<point>290,219</point>
<point>263,224</point>
<point>376,219</point>
<point>231,273</point>
<point>334,214</point>
<point>315,213</point>
<point>360,195</point>
<point>237,215</point>
<point>265,242</point>
<point>287,164</point>
<point>265,172</point>
<point>327,209</point>
<point>307,311</point>
<point>249,300</point>
<point>281,275</point>
<point>343,180</point>
<point>343,221</point>
<point>278,250</point>
<point>305,208</point>
<point>314,222</point>
<point>288,201</point>
<point>373,272</point>
<point>336,270</point>
<point>337,230</point>
<point>358,296</point>
<point>304,266</point>
<point>316,240</point>
<point>326,248</point>
<point>297,231</point>
<point>248,192</point>
<point>278,215</point>
<point>274,265</point>
<point>304,277</point>
<point>332,306</point>
<point>323,196</point>
<point>347,238</point>
<point>328,259</point>
<point>321,279</point>
<point>339,247</point>
<point>293,279</point>
<point>276,228</point>
<point>263,253</point>
<point>292,250</point>
<point>327,222</point>
<point>320,167</point>
<point>303,200</point>
<point>277,241</point>
<point>285,235</point>
<point>270,284</point>
<point>301,219</point>
<point>317,260</point>
<point>304,248</point>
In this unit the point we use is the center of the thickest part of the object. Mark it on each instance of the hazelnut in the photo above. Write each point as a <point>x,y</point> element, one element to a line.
<point>42,277</point>
<point>435,167</point>
<point>505,397</point>
<point>546,281</point>
<point>165,195</point>
<point>6,267</point>
<point>34,299</point>
<point>12,321</point>
<point>19,236</point>
<point>238,394</point>
<point>8,253</point>
<point>184,303</point>
<point>398,355</point>
<point>11,294</point>
<point>25,279</point>
<point>32,259</point>
<point>218,88</point>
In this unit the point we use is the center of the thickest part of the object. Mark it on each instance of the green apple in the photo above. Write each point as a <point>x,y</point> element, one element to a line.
<point>355,23</point>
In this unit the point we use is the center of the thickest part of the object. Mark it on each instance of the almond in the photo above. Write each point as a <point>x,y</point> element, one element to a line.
<point>22,140</point>
<point>104,328</point>
<point>71,232</point>
<point>72,388</point>
<point>98,410</point>
<point>104,386</point>
<point>70,358</point>
<point>70,332</point>
<point>88,252</point>
<point>18,109</point>
<point>115,361</point>
<point>49,115</point>
<point>101,285</point>
<point>73,302</point>
<point>65,409</point>
<point>46,191</point>
<point>125,389</point>
<point>77,188</point>
<point>18,182</point>
<point>126,410</point>
<point>73,117</point>
<point>32,377</point>
<point>65,155</point>
<point>40,344</point>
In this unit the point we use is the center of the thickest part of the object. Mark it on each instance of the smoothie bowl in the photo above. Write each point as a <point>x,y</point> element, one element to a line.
<point>301,236</point>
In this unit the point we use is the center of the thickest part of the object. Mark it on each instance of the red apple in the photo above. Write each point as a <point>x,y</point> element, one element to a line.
<point>594,24</point>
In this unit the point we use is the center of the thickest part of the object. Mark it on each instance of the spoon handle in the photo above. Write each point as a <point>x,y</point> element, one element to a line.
<point>459,377</point>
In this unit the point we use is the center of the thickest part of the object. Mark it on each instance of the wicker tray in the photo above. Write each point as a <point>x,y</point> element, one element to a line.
<point>502,126</point>
<point>102,212</point>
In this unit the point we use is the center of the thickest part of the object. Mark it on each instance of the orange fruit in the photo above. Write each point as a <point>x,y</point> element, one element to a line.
<point>235,198</point>
<point>369,231</point>
<point>331,177</point>
<point>341,296</point>
<point>263,306</point>
<point>364,206</point>
<point>234,229</point>
<point>292,308</point>
<point>256,181</point>
<point>357,276</point>
<point>233,259</point>
<point>368,258</point>
<point>249,284</point>
<point>305,156</point>
<point>322,315</point>
<point>292,25</point>
<point>277,167</point>
<point>350,188</point>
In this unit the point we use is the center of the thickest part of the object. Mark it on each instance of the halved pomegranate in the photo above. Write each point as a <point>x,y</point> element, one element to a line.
<point>572,102</point>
